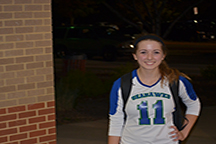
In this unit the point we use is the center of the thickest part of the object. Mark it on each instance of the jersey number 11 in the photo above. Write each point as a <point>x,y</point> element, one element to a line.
<point>144,116</point>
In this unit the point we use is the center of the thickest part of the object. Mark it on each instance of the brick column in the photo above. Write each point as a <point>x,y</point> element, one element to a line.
<point>27,104</point>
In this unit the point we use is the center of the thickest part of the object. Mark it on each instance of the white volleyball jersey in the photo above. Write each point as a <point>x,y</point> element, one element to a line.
<point>149,111</point>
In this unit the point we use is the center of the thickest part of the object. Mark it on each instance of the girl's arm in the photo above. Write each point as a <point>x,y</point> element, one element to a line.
<point>182,135</point>
<point>113,140</point>
<point>191,121</point>
<point>190,99</point>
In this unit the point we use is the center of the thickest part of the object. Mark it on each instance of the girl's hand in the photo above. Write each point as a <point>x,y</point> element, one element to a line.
<point>176,134</point>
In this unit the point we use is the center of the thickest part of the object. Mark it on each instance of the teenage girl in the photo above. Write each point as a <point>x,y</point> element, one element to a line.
<point>150,104</point>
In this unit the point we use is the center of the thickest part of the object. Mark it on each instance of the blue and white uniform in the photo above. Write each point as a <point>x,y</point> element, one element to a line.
<point>149,111</point>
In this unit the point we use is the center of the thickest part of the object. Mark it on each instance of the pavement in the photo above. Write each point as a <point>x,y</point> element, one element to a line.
<point>95,132</point>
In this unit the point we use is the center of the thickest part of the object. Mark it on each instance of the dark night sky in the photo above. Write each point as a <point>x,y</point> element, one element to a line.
<point>207,12</point>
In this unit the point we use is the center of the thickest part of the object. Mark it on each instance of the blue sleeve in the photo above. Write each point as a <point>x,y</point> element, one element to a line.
<point>189,97</point>
<point>189,88</point>
<point>114,96</point>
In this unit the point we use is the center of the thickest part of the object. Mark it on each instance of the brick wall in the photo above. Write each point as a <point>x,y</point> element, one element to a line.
<point>27,106</point>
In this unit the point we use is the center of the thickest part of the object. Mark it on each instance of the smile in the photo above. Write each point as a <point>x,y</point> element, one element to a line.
<point>149,63</point>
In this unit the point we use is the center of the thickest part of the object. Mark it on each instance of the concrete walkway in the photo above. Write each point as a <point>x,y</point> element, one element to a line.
<point>95,132</point>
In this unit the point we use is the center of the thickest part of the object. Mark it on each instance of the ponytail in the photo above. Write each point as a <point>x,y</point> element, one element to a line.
<point>170,74</point>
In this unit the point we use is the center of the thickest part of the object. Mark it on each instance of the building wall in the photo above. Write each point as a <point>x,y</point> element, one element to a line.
<point>27,105</point>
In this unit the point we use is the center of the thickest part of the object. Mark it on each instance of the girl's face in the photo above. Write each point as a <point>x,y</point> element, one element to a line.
<point>149,54</point>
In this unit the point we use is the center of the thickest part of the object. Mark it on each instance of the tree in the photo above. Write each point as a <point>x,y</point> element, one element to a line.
<point>73,9</point>
<point>151,13</point>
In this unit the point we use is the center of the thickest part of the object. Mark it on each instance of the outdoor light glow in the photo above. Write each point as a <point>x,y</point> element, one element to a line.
<point>195,10</point>
<point>195,21</point>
